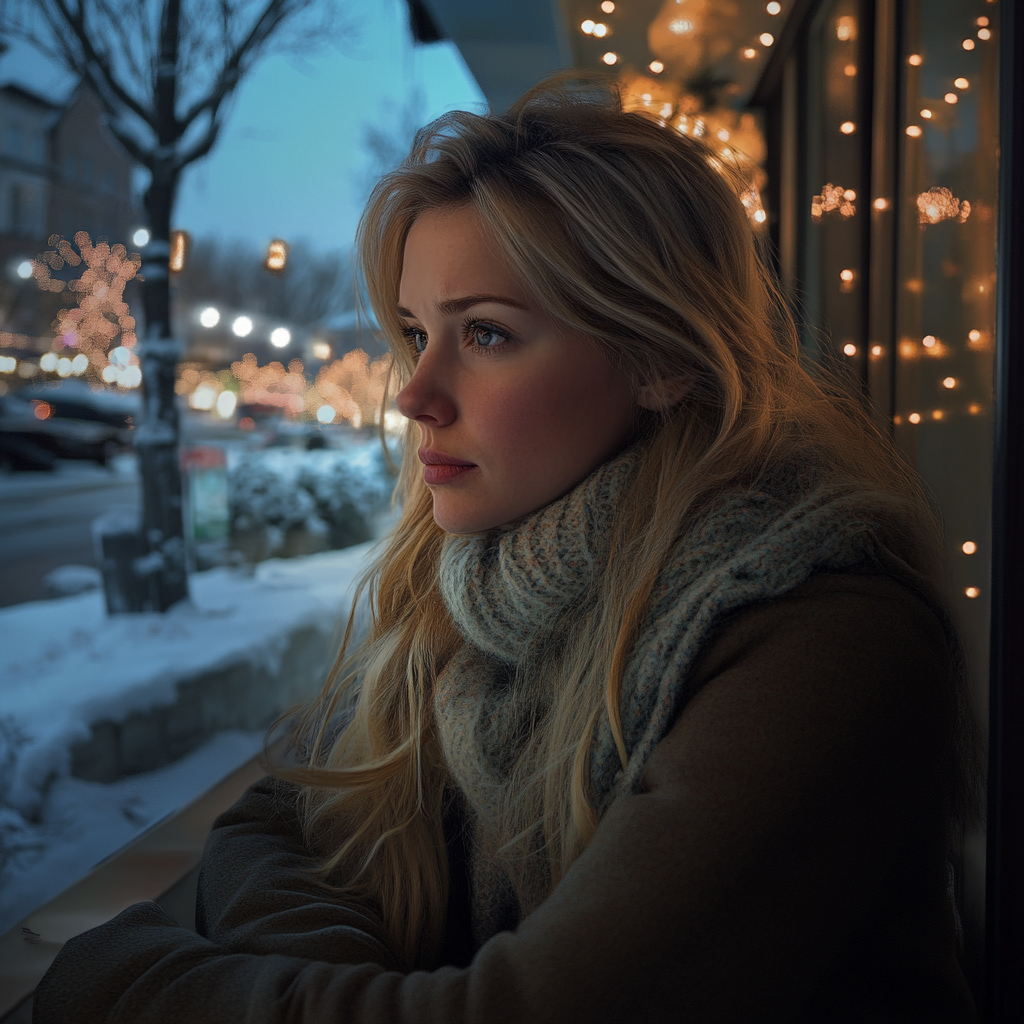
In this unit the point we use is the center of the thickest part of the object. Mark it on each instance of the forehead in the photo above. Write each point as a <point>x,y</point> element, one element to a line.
<point>449,253</point>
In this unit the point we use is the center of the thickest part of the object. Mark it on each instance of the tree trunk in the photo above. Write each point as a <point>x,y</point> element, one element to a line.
<point>158,576</point>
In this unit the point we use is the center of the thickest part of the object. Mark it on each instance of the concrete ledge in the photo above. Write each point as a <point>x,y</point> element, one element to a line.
<point>241,695</point>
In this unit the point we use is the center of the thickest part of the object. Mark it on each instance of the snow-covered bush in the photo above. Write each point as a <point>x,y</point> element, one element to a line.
<point>324,491</point>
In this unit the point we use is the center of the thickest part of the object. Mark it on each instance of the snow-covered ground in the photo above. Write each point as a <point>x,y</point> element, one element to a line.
<point>65,664</point>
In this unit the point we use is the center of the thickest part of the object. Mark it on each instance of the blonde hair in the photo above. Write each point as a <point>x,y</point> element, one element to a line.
<point>624,230</point>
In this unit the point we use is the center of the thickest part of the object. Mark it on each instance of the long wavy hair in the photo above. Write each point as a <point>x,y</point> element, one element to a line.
<point>629,232</point>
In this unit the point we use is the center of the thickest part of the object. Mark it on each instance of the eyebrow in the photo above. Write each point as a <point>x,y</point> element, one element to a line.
<point>451,307</point>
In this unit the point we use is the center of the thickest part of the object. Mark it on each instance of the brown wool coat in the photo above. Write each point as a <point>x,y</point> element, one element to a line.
<point>784,861</point>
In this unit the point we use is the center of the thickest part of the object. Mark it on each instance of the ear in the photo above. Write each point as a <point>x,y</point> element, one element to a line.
<point>665,394</point>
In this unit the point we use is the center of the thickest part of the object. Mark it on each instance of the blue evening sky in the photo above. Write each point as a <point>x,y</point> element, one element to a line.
<point>291,161</point>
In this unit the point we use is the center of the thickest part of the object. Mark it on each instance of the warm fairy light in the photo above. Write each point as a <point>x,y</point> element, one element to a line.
<point>847,127</point>
<point>881,203</point>
<point>748,53</point>
<point>774,8</point>
<point>914,60</point>
<point>280,337</point>
<point>846,29</point>
<point>846,275</point>
<point>767,38</point>
<point>938,414</point>
<point>587,26</point>
<point>968,547</point>
<point>951,98</point>
<point>723,134</point>
<point>949,383</point>
<point>984,34</point>
<point>210,316</point>
<point>876,350</point>
<point>914,417</point>
<point>850,70</point>
<point>321,350</point>
<point>926,114</point>
<point>914,131</point>
<point>846,278</point>
<point>760,216</point>
<point>929,341</point>
<point>833,197</point>
<point>897,419</point>
<point>610,58</point>
<point>179,250</point>
<point>972,592</point>
<point>961,83</point>
<point>968,44</point>
<point>974,336</point>
<point>656,66</point>
<point>600,30</point>
<point>974,409</point>
<point>938,204</point>
<point>982,22</point>
<point>608,7</point>
<point>849,349</point>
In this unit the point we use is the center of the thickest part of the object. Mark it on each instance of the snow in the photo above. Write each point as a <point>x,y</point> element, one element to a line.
<point>65,664</point>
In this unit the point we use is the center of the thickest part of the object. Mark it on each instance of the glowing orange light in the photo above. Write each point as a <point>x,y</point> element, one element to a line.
<point>968,44</point>
<point>846,29</point>
<point>42,410</point>
<point>982,21</point>
<point>608,7</point>
<point>914,131</point>
<point>984,34</point>
<point>849,349</point>
<point>949,383</point>
<point>974,408</point>
<point>972,592</point>
<point>767,38</point>
<point>587,27</point>
<point>774,8</point>
<point>968,547</point>
<point>850,194</point>
<point>850,70</point>
<point>246,423</point>
<point>881,204</point>
<point>914,417</point>
<point>277,256</point>
<point>846,275</point>
<point>610,58</point>
<point>914,60</point>
<point>926,113</point>
<point>961,83</point>
<point>929,340</point>
<point>974,336</point>
<point>748,53</point>
<point>847,127</point>
<point>951,97</point>
<point>179,250</point>
<point>937,414</point>
<point>656,66</point>
<point>876,350</point>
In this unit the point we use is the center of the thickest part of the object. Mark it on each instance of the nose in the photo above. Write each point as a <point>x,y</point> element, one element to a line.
<point>427,398</point>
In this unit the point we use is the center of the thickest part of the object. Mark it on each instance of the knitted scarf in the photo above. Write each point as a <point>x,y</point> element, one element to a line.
<point>509,591</point>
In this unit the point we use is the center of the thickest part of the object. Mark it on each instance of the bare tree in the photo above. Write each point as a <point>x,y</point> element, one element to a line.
<point>165,71</point>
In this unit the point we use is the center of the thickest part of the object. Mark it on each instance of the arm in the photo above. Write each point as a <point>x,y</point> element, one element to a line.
<point>795,799</point>
<point>256,896</point>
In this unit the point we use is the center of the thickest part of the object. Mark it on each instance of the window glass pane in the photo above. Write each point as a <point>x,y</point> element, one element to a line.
<point>836,127</point>
<point>945,307</point>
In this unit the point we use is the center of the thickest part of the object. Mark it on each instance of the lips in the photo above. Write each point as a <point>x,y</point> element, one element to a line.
<point>442,468</point>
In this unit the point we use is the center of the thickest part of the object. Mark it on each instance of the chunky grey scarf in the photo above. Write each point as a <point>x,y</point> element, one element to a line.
<point>509,590</point>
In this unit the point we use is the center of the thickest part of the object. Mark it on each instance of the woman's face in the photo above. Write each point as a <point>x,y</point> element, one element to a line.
<point>513,410</point>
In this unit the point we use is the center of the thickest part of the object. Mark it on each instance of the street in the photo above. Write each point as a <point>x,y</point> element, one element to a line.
<point>45,520</point>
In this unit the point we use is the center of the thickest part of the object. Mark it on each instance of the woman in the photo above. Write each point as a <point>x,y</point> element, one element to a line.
<point>657,717</point>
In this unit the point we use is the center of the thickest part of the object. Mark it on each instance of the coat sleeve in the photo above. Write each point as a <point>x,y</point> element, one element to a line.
<point>790,827</point>
<point>256,893</point>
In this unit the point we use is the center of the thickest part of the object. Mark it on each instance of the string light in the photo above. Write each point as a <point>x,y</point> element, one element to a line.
<point>968,547</point>
<point>926,114</point>
<point>951,98</point>
<point>915,60</point>
<point>846,29</point>
<point>767,38</point>
<point>982,22</point>
<point>974,409</point>
<point>938,204</point>
<point>929,341</point>
<point>833,197</point>
<point>880,203</point>
<point>774,8</point>
<point>656,66</point>
<point>938,414</point>
<point>850,70</point>
<point>846,278</point>
<point>748,53</point>
<point>849,349</point>
<point>876,350</point>
<point>961,83</point>
<point>610,58</point>
<point>608,7</point>
<point>972,592</point>
<point>949,383</point>
<point>984,34</point>
<point>600,30</point>
<point>587,26</point>
<point>974,336</point>
<point>914,417</point>
<point>847,127</point>
<point>914,131</point>
<point>968,44</point>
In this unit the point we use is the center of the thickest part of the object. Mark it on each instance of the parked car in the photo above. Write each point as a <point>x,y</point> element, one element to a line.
<point>40,425</point>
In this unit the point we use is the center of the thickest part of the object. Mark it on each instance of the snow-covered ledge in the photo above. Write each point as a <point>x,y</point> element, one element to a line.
<point>89,702</point>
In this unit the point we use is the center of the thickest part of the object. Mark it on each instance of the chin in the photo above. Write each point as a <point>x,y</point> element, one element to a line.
<point>464,521</point>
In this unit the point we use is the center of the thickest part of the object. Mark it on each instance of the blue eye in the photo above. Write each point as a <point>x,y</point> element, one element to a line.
<point>417,337</point>
<point>488,337</point>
